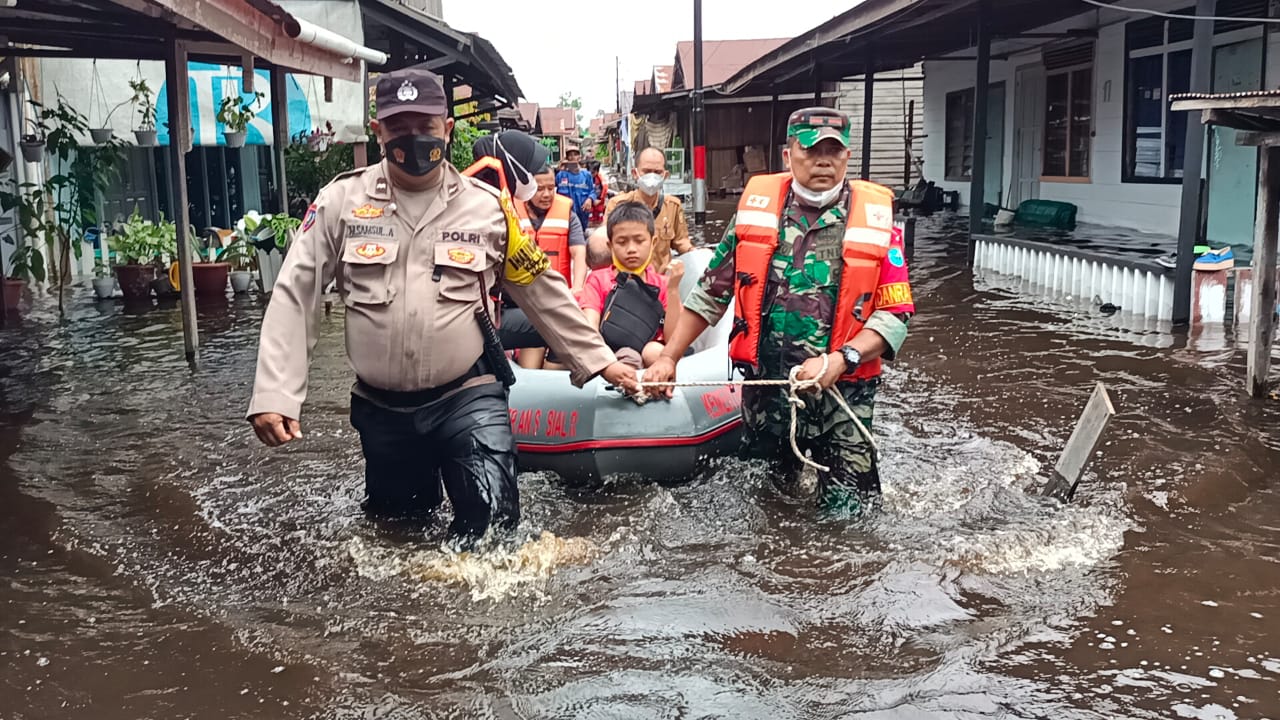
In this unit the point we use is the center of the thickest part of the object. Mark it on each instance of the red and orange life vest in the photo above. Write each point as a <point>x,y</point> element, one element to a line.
<point>868,232</point>
<point>553,235</point>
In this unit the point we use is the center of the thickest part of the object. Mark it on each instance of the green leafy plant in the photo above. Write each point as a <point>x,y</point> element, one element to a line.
<point>235,112</point>
<point>101,269</point>
<point>138,241</point>
<point>144,98</point>
<point>27,263</point>
<point>239,253</point>
<point>264,231</point>
<point>309,170</point>
<point>62,208</point>
<point>464,139</point>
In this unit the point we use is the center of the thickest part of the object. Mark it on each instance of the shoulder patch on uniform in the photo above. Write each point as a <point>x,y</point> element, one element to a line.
<point>483,185</point>
<point>310,218</point>
<point>895,257</point>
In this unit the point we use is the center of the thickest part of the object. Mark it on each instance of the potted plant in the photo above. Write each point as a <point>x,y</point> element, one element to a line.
<point>101,134</point>
<point>145,133</point>
<point>269,235</point>
<point>26,264</point>
<point>32,148</point>
<point>241,256</point>
<point>138,243</point>
<point>104,283</point>
<point>235,113</point>
<point>209,276</point>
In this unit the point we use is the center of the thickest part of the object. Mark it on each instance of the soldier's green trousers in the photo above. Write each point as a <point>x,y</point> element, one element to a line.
<point>824,430</point>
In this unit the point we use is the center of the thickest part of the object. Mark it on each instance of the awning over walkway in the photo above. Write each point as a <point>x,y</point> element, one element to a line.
<point>881,35</point>
<point>219,31</point>
<point>414,38</point>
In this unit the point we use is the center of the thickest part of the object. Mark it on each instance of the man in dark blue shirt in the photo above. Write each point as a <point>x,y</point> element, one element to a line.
<point>576,183</point>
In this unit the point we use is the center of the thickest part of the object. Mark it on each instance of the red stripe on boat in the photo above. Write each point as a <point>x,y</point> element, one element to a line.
<point>618,443</point>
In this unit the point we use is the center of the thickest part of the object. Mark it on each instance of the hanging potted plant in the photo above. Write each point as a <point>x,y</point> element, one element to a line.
<point>104,283</point>
<point>26,264</point>
<point>235,113</point>
<point>145,133</point>
<point>268,236</point>
<point>102,134</point>
<point>32,148</point>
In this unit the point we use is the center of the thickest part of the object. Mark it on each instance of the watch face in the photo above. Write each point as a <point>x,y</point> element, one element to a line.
<point>851,357</point>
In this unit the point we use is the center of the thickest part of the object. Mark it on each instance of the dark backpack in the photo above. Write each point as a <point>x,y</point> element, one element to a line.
<point>632,313</point>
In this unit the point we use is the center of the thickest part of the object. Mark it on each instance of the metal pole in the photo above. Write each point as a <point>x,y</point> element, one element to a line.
<point>699,123</point>
<point>1262,322</point>
<point>617,83</point>
<point>175,70</point>
<point>1193,158</point>
<point>981,91</point>
<point>868,97</point>
<point>280,134</point>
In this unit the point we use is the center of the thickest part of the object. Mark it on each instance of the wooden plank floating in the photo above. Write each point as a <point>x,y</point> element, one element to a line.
<point>1081,445</point>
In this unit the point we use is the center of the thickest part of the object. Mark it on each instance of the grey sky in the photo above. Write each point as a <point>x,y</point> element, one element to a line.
<point>566,46</point>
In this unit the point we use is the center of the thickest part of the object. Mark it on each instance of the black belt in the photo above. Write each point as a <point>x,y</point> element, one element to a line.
<point>418,398</point>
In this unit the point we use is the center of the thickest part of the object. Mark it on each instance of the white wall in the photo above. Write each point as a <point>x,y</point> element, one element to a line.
<point>1104,199</point>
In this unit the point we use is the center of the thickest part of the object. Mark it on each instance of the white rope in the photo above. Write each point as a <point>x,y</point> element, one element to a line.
<point>794,386</point>
<point>1178,16</point>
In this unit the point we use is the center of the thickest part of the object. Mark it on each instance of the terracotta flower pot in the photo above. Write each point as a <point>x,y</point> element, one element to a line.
<point>13,293</point>
<point>135,281</point>
<point>210,279</point>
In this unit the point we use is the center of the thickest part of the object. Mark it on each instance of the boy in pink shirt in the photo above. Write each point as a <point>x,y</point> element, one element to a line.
<point>631,301</point>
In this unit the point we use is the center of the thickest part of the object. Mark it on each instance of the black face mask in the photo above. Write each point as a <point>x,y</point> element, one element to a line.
<point>417,155</point>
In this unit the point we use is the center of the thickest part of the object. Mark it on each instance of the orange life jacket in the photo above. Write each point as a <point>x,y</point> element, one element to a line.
<point>553,235</point>
<point>494,164</point>
<point>867,235</point>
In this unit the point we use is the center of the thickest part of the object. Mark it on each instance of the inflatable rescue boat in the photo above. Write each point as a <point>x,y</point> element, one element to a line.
<point>593,432</point>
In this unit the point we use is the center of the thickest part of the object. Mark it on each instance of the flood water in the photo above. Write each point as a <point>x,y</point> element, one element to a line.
<point>158,563</point>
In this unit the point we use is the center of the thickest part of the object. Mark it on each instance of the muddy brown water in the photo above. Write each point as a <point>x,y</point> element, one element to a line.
<point>158,563</point>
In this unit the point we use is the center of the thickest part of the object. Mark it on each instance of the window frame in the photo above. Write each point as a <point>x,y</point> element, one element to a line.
<point>966,102</point>
<point>1070,71</point>
<point>1128,159</point>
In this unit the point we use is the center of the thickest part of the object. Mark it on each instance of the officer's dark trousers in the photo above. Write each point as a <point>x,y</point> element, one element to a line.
<point>463,440</point>
<point>517,331</point>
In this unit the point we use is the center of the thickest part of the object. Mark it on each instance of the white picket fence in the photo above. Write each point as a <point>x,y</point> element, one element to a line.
<point>1140,288</point>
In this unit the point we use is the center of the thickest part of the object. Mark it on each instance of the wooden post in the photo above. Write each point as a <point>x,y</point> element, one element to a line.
<point>981,92</point>
<point>771,144</point>
<point>868,97</point>
<point>1262,324</point>
<point>280,133</point>
<point>1193,158</point>
<point>909,140</point>
<point>175,71</point>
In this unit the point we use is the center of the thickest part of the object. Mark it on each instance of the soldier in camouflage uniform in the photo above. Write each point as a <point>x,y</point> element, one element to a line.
<point>805,274</point>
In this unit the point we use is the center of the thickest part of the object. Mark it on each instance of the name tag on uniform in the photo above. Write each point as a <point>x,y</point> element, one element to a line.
<point>469,237</point>
<point>370,230</point>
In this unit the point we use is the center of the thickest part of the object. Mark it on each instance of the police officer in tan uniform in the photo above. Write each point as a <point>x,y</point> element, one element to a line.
<point>415,249</point>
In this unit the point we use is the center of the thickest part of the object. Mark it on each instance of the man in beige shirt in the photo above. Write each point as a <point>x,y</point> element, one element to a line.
<point>671,230</point>
<point>415,249</point>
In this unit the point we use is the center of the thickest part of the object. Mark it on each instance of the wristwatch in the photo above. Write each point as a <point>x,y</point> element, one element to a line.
<point>852,358</point>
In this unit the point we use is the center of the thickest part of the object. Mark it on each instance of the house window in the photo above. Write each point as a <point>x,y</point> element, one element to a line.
<point>1068,122</point>
<point>1157,65</point>
<point>959,135</point>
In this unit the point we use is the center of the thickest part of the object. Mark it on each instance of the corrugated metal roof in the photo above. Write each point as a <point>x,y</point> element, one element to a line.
<point>720,59</point>
<point>556,121</point>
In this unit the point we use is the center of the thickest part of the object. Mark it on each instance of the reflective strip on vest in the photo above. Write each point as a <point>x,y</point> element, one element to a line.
<point>868,236</point>
<point>758,218</point>
<point>553,223</point>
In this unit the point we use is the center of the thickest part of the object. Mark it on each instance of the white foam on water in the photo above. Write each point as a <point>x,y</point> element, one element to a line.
<point>493,575</point>
<point>1211,711</point>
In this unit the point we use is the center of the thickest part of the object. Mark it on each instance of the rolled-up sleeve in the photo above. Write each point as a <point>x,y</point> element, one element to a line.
<point>289,328</point>
<point>710,299</point>
<point>890,326</point>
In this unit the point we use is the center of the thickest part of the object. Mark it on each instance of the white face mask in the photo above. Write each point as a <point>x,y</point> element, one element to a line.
<point>816,198</point>
<point>650,183</point>
<point>526,187</point>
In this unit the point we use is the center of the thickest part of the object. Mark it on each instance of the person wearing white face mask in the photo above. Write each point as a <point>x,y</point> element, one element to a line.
<point>671,230</point>
<point>817,276</point>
